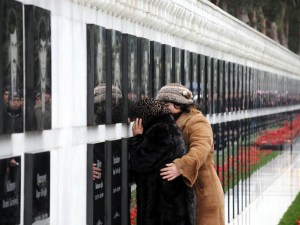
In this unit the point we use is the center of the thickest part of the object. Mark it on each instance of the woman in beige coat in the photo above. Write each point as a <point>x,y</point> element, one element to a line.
<point>196,166</point>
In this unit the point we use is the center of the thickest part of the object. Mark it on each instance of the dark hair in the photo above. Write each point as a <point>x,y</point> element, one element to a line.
<point>12,21</point>
<point>42,30</point>
<point>186,108</point>
<point>6,88</point>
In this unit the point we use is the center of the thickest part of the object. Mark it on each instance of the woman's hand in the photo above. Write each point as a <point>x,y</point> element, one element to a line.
<point>137,127</point>
<point>96,172</point>
<point>170,172</point>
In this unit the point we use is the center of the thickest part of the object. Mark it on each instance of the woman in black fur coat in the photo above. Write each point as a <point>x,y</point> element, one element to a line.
<point>156,142</point>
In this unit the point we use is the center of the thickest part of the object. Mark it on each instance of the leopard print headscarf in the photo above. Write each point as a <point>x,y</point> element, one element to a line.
<point>147,109</point>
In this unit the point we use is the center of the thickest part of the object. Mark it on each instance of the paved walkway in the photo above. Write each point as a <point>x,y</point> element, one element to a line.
<point>272,190</point>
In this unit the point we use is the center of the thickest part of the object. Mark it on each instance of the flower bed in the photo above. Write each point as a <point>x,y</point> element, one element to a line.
<point>242,165</point>
<point>281,135</point>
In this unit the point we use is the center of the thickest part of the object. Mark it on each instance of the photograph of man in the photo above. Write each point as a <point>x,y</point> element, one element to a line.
<point>157,82</point>
<point>42,98</point>
<point>12,68</point>
<point>168,64</point>
<point>5,96</point>
<point>100,70</point>
<point>14,71</point>
<point>187,67</point>
<point>132,69</point>
<point>116,59</point>
<point>178,65</point>
<point>145,67</point>
<point>13,114</point>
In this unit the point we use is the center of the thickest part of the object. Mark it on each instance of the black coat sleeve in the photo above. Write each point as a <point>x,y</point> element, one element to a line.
<point>156,147</point>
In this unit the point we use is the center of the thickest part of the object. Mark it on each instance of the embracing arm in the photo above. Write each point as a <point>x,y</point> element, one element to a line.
<point>200,139</point>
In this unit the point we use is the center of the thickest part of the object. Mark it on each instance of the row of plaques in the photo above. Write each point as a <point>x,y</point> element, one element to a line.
<point>36,189</point>
<point>36,32</point>
<point>123,68</point>
<point>107,197</point>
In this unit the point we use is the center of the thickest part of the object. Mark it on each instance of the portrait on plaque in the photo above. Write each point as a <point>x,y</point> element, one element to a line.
<point>186,78</point>
<point>96,75</point>
<point>208,85</point>
<point>221,86</point>
<point>202,83</point>
<point>215,86</point>
<point>226,86</point>
<point>11,69</point>
<point>132,68</point>
<point>167,65</point>
<point>38,68</point>
<point>145,68</point>
<point>177,65</point>
<point>116,47</point>
<point>195,79</point>
<point>116,76</point>
<point>156,67</point>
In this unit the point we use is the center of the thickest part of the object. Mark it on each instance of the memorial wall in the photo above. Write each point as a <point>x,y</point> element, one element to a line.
<point>70,71</point>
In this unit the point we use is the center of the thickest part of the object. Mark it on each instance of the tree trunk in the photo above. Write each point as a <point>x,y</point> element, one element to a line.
<point>271,31</point>
<point>253,19</point>
<point>261,24</point>
<point>242,15</point>
<point>282,38</point>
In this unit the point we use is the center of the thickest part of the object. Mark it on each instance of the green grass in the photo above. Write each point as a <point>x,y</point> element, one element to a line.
<point>263,161</point>
<point>292,214</point>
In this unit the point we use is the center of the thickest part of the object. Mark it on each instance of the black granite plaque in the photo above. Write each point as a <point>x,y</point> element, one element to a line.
<point>96,75</point>
<point>130,77</point>
<point>239,83</point>
<point>250,85</point>
<point>195,79</point>
<point>11,69</point>
<point>177,65</point>
<point>222,146</point>
<point>96,188</point>
<point>255,90</point>
<point>37,188</point>
<point>144,68</point>
<point>167,64</point>
<point>225,135</point>
<point>215,128</point>
<point>226,87</point>
<point>38,68</point>
<point>115,59</point>
<point>230,86</point>
<point>187,70</point>
<point>215,87</point>
<point>221,96</point>
<point>108,196</point>
<point>235,87</point>
<point>10,196</point>
<point>202,81</point>
<point>116,149</point>
<point>156,67</point>
<point>245,86</point>
<point>208,85</point>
